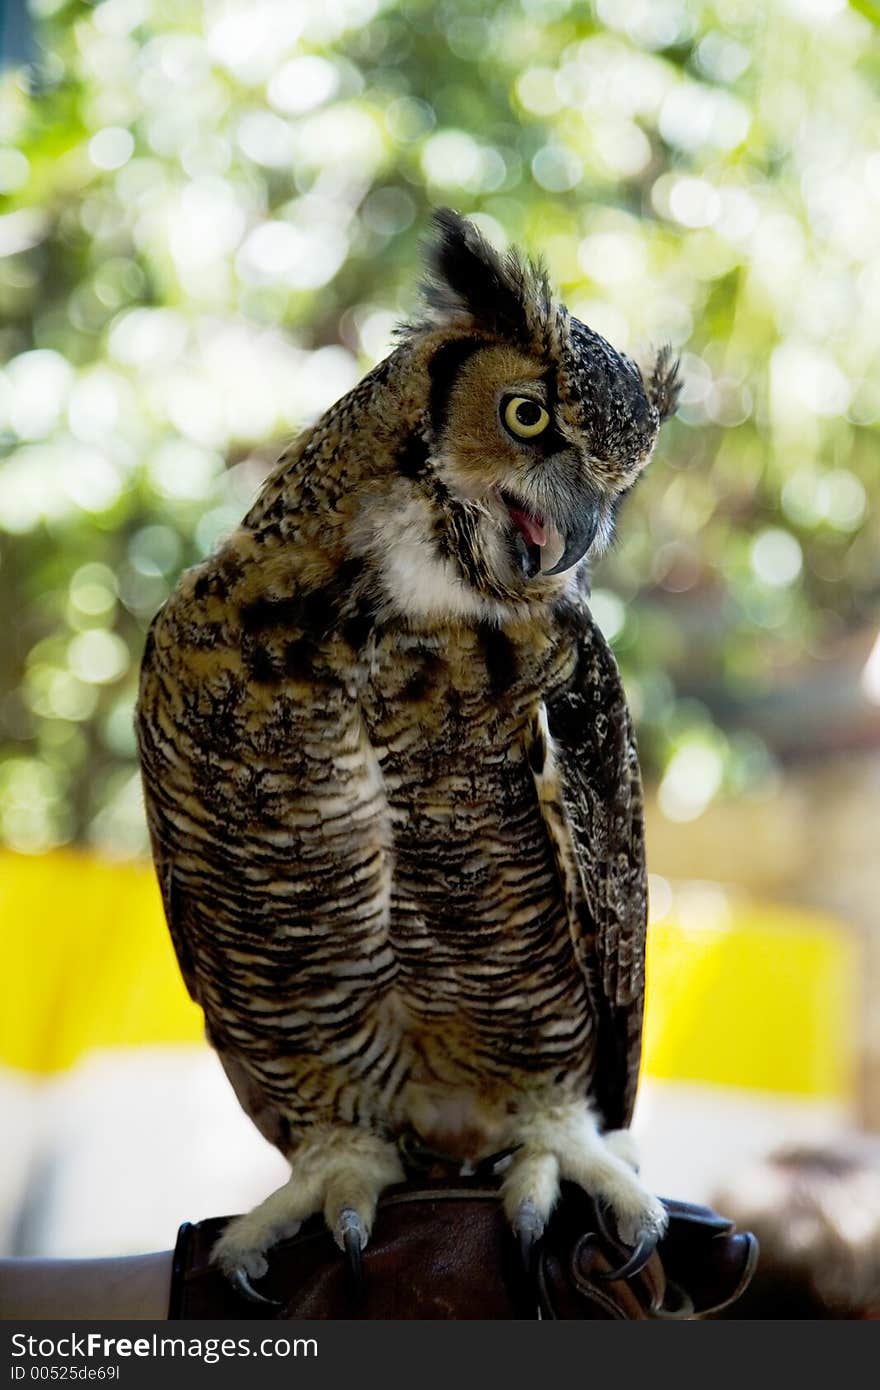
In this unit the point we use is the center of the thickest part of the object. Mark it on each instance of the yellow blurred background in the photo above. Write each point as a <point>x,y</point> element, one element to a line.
<point>753,1037</point>
<point>105,976</point>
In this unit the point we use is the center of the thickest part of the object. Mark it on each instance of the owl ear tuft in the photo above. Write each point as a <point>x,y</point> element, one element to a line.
<point>664,383</point>
<point>468,280</point>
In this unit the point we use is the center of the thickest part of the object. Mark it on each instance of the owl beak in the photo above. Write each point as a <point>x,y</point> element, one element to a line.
<point>541,546</point>
<point>578,537</point>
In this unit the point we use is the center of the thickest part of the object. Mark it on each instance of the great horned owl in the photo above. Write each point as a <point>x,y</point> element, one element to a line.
<point>390,775</point>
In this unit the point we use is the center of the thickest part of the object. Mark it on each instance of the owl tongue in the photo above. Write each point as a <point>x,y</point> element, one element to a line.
<point>534,530</point>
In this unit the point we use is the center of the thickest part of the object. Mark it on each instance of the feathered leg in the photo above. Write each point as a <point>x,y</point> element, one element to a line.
<point>563,1141</point>
<point>337,1168</point>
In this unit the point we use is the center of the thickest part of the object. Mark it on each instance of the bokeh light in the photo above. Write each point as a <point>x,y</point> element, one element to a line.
<point>210,223</point>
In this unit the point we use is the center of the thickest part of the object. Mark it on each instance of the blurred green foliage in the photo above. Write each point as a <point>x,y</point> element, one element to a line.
<point>210,223</point>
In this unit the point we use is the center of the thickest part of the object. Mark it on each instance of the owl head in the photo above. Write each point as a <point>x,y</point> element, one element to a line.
<point>533,427</point>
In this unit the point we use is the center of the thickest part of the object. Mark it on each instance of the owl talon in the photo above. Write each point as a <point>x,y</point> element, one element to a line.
<point>352,1236</point>
<point>240,1280</point>
<point>529,1228</point>
<point>644,1249</point>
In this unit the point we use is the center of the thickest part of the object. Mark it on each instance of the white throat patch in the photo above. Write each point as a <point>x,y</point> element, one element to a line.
<point>421,584</point>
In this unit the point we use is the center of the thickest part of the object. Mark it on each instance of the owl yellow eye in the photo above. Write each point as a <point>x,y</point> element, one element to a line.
<point>524,418</point>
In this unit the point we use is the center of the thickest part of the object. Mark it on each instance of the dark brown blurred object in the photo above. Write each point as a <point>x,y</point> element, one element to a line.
<point>123,1286</point>
<point>816,1213</point>
<point>446,1251</point>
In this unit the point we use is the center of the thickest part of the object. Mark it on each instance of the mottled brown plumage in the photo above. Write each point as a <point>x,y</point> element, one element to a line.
<point>390,775</point>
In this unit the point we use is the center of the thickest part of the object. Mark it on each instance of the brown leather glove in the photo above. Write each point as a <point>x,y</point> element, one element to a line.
<point>445,1250</point>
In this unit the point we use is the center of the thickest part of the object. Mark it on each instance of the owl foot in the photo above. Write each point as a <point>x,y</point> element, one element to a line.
<point>340,1170</point>
<point>563,1141</point>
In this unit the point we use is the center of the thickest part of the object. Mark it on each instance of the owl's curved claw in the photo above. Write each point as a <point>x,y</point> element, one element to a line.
<point>353,1237</point>
<point>642,1252</point>
<point>529,1228</point>
<point>240,1280</point>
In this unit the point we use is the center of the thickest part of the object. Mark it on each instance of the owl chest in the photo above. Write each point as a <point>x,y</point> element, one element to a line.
<point>450,724</point>
<point>486,969</point>
<point>474,874</point>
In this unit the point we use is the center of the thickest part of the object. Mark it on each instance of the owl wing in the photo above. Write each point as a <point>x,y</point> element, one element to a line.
<point>589,786</point>
<point>270,836</point>
<point>173,902</point>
